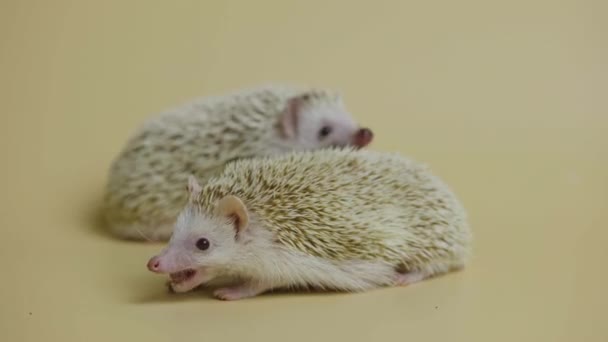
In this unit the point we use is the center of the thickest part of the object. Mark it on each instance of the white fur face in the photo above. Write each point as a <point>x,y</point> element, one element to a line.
<point>310,125</point>
<point>324,125</point>
<point>199,247</point>
<point>188,250</point>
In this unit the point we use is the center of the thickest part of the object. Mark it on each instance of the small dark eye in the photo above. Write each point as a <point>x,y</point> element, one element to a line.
<point>202,244</point>
<point>325,131</point>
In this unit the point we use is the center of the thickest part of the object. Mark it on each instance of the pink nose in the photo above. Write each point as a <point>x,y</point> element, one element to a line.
<point>363,137</point>
<point>154,264</point>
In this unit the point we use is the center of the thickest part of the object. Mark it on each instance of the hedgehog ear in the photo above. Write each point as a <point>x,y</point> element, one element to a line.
<point>232,207</point>
<point>288,121</point>
<point>194,189</point>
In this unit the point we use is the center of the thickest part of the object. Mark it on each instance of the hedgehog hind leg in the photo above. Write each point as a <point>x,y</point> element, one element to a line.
<point>408,278</point>
<point>404,276</point>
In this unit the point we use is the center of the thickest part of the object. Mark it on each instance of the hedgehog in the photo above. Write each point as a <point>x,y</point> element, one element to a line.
<point>338,218</point>
<point>144,192</point>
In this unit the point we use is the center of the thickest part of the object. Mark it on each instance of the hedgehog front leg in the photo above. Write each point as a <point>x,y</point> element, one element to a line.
<point>245,290</point>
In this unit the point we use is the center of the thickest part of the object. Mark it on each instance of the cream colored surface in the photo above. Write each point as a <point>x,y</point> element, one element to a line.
<point>506,100</point>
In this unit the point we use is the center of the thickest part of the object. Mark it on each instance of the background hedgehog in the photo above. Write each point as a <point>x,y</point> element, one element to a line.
<point>144,193</point>
<point>337,218</point>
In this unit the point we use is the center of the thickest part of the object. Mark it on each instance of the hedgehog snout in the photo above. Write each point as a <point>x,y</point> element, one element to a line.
<point>363,137</point>
<point>154,264</point>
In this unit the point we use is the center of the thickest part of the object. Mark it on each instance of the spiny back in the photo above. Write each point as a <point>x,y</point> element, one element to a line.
<point>198,137</point>
<point>342,204</point>
<point>220,128</point>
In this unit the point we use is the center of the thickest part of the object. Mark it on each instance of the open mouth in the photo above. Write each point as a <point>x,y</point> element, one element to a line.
<point>182,276</point>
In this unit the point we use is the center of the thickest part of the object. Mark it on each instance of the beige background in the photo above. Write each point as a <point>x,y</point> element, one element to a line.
<point>507,100</point>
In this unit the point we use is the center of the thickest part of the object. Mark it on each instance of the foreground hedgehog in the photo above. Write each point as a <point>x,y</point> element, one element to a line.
<point>334,219</point>
<point>144,193</point>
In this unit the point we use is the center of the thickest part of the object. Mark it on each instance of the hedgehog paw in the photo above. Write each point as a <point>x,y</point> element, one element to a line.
<point>404,279</point>
<point>237,292</point>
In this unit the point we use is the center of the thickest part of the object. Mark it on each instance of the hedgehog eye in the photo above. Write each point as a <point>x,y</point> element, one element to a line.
<point>325,131</point>
<point>202,244</point>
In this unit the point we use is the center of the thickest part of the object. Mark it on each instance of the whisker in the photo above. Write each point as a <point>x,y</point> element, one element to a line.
<point>142,234</point>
